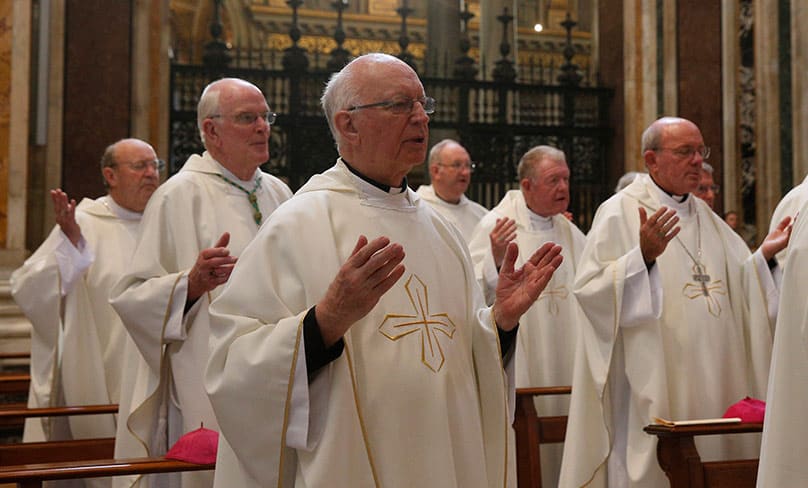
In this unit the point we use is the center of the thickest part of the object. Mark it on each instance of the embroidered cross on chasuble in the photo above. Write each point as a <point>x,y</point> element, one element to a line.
<point>705,288</point>
<point>553,295</point>
<point>430,327</point>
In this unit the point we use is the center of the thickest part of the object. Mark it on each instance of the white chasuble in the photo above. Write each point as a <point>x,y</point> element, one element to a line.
<point>77,339</point>
<point>782,453</point>
<point>545,347</point>
<point>465,215</point>
<point>789,206</point>
<point>417,397</point>
<point>703,347</point>
<point>187,214</point>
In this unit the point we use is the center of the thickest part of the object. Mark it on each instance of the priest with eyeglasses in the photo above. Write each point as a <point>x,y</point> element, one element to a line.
<point>682,318</point>
<point>352,346</point>
<point>193,231</point>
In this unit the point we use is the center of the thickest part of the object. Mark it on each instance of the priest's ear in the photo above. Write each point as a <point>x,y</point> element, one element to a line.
<point>651,162</point>
<point>211,132</point>
<point>344,125</point>
<point>110,177</point>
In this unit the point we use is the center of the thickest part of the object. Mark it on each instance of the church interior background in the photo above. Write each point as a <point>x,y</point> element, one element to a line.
<point>77,75</point>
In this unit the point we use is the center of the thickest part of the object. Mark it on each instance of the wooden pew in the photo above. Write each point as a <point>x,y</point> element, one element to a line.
<point>56,451</point>
<point>679,458</point>
<point>10,413</point>
<point>15,355</point>
<point>32,475</point>
<point>14,383</point>
<point>30,464</point>
<point>532,430</point>
<point>12,416</point>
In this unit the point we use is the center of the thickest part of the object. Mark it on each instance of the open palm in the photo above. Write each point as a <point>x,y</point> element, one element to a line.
<point>517,289</point>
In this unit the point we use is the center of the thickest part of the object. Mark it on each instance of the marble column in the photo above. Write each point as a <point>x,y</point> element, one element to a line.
<point>767,108</point>
<point>799,88</point>
<point>731,173</point>
<point>641,104</point>
<point>151,74</point>
<point>14,136</point>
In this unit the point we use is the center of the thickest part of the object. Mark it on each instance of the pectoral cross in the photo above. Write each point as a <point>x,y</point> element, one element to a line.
<point>700,276</point>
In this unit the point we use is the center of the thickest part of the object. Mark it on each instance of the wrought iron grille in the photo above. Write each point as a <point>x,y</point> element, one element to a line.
<point>496,122</point>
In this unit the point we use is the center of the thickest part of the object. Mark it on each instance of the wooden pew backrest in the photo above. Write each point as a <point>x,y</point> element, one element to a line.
<point>56,451</point>
<point>32,475</point>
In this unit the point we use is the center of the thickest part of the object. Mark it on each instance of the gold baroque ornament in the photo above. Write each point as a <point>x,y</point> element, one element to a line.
<point>427,325</point>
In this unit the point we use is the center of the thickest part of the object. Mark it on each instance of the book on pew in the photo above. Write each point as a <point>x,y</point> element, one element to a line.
<point>675,423</point>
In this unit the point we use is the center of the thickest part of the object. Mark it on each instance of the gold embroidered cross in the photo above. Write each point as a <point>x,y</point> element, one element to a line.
<point>396,326</point>
<point>558,293</point>
<point>701,288</point>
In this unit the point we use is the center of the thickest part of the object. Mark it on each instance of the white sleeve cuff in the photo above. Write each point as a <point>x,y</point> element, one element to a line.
<point>73,261</point>
<point>309,403</point>
<point>642,293</point>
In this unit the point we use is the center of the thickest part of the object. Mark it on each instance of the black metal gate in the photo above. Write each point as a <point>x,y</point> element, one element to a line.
<point>496,122</point>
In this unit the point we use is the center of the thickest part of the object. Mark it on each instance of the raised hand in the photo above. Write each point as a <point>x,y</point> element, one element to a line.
<point>371,270</point>
<point>517,289</point>
<point>778,238</point>
<point>212,268</point>
<point>65,213</point>
<point>501,235</point>
<point>656,232</point>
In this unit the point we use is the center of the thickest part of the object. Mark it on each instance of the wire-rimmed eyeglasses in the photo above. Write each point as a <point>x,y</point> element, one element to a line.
<point>400,105</point>
<point>458,166</point>
<point>687,152</point>
<point>248,118</point>
<point>140,166</point>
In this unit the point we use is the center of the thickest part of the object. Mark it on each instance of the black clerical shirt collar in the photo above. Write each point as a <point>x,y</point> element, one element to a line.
<point>678,198</point>
<point>381,186</point>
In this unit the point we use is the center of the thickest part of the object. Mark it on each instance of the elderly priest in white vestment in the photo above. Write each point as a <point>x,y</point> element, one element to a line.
<point>681,319</point>
<point>532,216</point>
<point>352,346</point>
<point>450,169</point>
<point>785,432</point>
<point>194,228</point>
<point>77,339</point>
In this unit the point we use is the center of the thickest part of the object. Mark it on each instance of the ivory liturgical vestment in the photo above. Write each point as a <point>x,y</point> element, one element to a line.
<point>789,206</point>
<point>782,453</point>
<point>545,347</point>
<point>418,395</point>
<point>465,215</point>
<point>676,342</point>
<point>187,214</point>
<point>77,338</point>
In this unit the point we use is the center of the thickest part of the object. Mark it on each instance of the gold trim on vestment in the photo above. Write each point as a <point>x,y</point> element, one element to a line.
<point>360,417</point>
<point>287,405</point>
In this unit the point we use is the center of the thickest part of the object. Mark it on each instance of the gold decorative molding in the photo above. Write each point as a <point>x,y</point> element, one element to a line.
<point>324,45</point>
